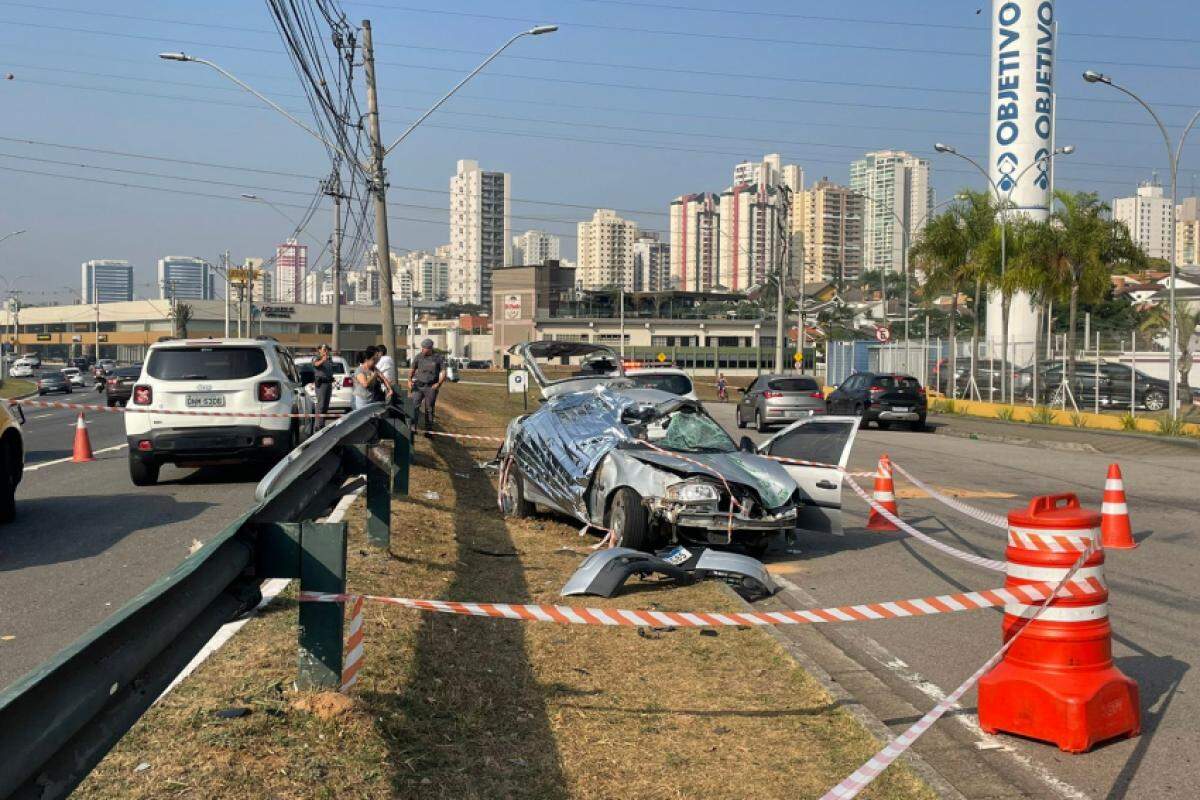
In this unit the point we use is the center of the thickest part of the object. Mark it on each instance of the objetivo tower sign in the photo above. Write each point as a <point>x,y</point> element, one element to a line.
<point>1020,132</point>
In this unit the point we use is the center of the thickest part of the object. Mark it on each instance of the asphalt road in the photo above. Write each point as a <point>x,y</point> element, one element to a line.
<point>86,540</point>
<point>1155,612</point>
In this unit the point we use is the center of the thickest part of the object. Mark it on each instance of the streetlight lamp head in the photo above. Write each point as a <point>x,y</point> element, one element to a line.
<point>249,196</point>
<point>1091,76</point>
<point>175,57</point>
<point>1067,149</point>
<point>540,29</point>
<point>944,148</point>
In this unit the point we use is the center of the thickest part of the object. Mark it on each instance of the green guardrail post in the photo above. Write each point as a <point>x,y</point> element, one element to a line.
<point>398,431</point>
<point>378,468</point>
<point>322,569</point>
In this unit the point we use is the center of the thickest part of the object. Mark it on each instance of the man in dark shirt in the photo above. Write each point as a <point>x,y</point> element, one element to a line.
<point>426,376</point>
<point>323,370</point>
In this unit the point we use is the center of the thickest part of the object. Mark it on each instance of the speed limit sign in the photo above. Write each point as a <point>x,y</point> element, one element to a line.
<point>883,334</point>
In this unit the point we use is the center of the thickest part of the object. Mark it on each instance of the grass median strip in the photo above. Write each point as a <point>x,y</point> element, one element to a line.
<point>462,707</point>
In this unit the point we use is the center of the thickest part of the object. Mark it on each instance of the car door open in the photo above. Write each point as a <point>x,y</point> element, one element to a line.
<point>824,440</point>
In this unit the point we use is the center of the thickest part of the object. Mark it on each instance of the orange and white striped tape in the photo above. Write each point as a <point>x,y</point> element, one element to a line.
<point>1053,541</point>
<point>354,647</point>
<point>1080,588</point>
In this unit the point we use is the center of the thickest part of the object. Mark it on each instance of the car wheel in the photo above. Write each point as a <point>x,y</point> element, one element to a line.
<point>142,472</point>
<point>861,413</point>
<point>919,425</point>
<point>883,426</point>
<point>628,521</point>
<point>1155,400</point>
<point>737,413</point>
<point>8,487</point>
<point>513,496</point>
<point>759,425</point>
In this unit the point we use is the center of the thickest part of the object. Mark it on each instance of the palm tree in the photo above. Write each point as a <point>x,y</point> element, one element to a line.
<point>943,252</point>
<point>1158,321</point>
<point>1008,278</point>
<point>181,315</point>
<point>1078,248</point>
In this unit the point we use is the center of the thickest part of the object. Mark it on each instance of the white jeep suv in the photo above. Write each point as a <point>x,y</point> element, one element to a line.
<point>251,376</point>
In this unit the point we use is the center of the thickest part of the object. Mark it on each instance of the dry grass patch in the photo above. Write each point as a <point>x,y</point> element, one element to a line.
<point>462,707</point>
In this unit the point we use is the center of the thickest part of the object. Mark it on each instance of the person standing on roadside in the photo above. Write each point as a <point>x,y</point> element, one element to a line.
<point>366,379</point>
<point>425,378</point>
<point>322,365</point>
<point>386,365</point>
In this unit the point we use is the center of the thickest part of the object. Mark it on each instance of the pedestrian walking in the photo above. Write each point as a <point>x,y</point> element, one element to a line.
<point>322,365</point>
<point>425,378</point>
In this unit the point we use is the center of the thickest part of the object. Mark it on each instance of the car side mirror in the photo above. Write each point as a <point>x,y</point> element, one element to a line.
<point>746,445</point>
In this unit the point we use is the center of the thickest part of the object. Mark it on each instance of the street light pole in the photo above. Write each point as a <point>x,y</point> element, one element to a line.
<point>333,188</point>
<point>379,193</point>
<point>1173,156</point>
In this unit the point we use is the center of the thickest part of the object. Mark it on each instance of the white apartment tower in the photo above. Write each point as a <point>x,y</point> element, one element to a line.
<point>291,262</point>
<point>651,264</point>
<point>428,273</point>
<point>605,255</point>
<point>480,238</point>
<point>1148,216</point>
<point>893,182</point>
<point>829,224</point>
<point>755,222</point>
<point>771,170</point>
<point>695,246</point>
<point>535,247</point>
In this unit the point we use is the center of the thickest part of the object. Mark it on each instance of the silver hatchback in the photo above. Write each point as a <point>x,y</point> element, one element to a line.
<point>779,400</point>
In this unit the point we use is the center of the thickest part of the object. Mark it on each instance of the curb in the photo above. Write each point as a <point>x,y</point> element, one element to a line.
<point>874,725</point>
<point>1185,441</point>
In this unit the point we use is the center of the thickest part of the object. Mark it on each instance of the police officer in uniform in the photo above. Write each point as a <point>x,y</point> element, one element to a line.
<point>426,376</point>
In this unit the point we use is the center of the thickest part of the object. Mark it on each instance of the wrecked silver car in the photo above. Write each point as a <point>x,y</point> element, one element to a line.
<point>653,468</point>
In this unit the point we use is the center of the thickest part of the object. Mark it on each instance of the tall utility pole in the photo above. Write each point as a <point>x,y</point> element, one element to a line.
<point>379,191</point>
<point>781,236</point>
<point>333,188</point>
<point>225,272</point>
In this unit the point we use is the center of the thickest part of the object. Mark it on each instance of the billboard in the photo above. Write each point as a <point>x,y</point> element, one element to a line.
<point>1020,132</point>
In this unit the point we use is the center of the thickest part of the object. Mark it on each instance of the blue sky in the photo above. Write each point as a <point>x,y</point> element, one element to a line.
<point>629,104</point>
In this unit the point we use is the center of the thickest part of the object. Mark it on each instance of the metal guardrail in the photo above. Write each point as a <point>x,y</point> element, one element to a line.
<point>58,721</point>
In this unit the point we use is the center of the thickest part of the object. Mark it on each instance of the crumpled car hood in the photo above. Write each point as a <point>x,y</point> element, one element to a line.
<point>767,478</point>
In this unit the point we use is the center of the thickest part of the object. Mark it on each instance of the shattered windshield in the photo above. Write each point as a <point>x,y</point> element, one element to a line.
<point>688,431</point>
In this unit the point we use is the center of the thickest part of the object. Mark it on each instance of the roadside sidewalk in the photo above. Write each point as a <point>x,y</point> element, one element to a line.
<point>1063,438</point>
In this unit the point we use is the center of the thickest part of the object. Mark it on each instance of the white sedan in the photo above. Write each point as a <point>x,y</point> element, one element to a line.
<point>73,375</point>
<point>21,369</point>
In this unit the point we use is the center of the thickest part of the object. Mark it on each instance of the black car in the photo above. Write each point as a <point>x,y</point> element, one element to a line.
<point>50,382</point>
<point>882,398</point>
<point>82,364</point>
<point>1114,383</point>
<point>118,385</point>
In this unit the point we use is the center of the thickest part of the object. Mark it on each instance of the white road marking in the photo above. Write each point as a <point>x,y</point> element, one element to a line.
<point>40,464</point>
<point>43,416</point>
<point>984,741</point>
<point>270,590</point>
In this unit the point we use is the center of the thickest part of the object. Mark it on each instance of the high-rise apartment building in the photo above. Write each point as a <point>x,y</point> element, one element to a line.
<point>651,264</point>
<point>695,246</point>
<point>605,255</point>
<point>362,286</point>
<point>291,263</point>
<point>480,238</point>
<point>185,278</point>
<point>318,288</point>
<point>829,225</point>
<point>535,247</point>
<point>893,182</point>
<point>428,273</point>
<point>755,221</point>
<point>106,280</point>
<point>262,288</point>
<point>1187,232</point>
<point>1148,216</point>
<point>772,171</point>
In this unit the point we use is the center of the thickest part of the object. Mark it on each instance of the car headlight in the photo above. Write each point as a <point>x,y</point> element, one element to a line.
<point>692,492</point>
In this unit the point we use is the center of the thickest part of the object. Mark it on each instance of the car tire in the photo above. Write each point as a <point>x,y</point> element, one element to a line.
<point>737,413</point>
<point>919,425</point>
<point>8,486</point>
<point>142,472</point>
<point>628,520</point>
<point>1155,400</point>
<point>883,426</point>
<point>861,413</point>
<point>759,425</point>
<point>515,504</point>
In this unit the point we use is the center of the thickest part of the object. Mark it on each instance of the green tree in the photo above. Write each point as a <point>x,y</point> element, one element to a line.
<point>181,315</point>
<point>1078,247</point>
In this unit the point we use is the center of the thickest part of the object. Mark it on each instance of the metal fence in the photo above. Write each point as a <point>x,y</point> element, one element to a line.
<point>57,722</point>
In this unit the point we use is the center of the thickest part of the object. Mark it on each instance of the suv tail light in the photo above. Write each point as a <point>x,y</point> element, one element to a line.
<point>921,390</point>
<point>817,395</point>
<point>347,382</point>
<point>142,395</point>
<point>269,391</point>
<point>769,395</point>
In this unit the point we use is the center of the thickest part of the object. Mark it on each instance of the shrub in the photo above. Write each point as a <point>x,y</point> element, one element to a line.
<point>1128,422</point>
<point>943,407</point>
<point>1169,427</point>
<point>1007,414</point>
<point>1078,419</point>
<point>1042,415</point>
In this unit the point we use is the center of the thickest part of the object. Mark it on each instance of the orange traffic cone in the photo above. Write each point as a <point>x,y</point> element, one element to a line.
<point>1115,531</point>
<point>83,444</point>
<point>884,495</point>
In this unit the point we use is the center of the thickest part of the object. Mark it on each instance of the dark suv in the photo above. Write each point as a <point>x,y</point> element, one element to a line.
<point>882,398</point>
